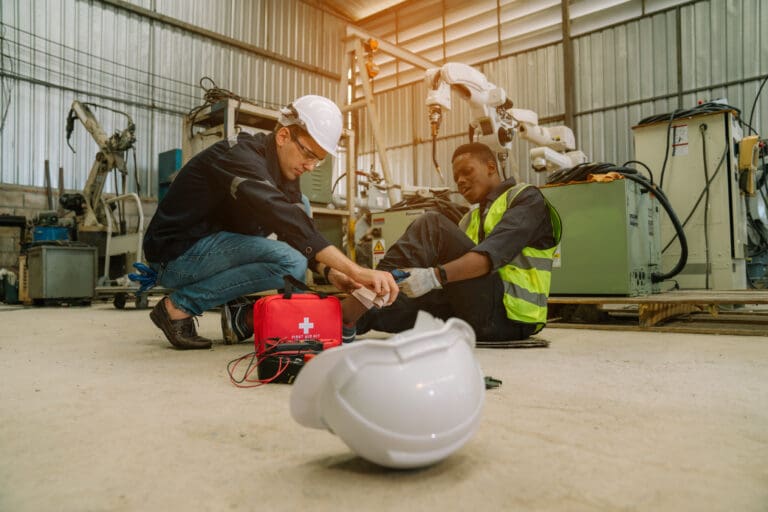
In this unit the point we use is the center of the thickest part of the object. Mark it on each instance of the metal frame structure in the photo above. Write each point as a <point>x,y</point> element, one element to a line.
<point>354,61</point>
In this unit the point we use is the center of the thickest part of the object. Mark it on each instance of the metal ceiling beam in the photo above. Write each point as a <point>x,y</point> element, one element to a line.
<point>404,55</point>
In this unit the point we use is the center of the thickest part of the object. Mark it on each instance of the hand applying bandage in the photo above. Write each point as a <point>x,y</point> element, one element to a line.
<point>368,298</point>
<point>420,281</point>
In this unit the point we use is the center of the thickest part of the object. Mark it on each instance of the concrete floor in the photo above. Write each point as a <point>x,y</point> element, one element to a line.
<point>98,412</point>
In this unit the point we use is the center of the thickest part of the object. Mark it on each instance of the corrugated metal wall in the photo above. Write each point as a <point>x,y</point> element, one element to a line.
<point>627,63</point>
<point>56,51</point>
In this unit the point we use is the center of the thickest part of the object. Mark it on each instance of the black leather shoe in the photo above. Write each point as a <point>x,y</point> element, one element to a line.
<point>182,334</point>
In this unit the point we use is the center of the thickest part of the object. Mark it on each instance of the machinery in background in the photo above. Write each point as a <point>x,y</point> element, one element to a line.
<point>493,120</point>
<point>611,231</point>
<point>222,117</point>
<point>757,227</point>
<point>88,206</point>
<point>62,273</point>
<point>611,239</point>
<point>168,165</point>
<point>99,222</point>
<point>710,173</point>
<point>67,252</point>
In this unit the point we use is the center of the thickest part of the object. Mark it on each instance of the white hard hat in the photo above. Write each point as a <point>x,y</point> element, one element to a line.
<point>319,116</point>
<point>404,402</point>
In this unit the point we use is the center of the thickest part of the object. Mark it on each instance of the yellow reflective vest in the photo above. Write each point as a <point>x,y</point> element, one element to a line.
<point>527,277</point>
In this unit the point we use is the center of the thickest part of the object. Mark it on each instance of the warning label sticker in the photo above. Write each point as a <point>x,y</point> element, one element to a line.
<point>378,250</point>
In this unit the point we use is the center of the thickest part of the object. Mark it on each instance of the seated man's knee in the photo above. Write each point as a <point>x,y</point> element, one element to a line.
<point>432,221</point>
<point>429,218</point>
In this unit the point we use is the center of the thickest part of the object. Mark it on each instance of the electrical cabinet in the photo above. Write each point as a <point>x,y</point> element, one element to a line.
<point>222,120</point>
<point>701,180</point>
<point>610,241</point>
<point>388,227</point>
<point>62,272</point>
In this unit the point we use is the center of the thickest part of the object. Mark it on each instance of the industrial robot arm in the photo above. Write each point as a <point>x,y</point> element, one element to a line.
<point>109,157</point>
<point>493,120</point>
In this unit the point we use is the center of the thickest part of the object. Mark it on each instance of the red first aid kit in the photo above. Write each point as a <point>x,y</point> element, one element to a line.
<point>292,318</point>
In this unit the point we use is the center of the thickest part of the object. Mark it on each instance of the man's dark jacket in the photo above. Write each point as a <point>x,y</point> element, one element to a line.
<point>236,186</point>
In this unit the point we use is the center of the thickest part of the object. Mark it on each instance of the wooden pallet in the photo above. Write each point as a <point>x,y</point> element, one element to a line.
<point>741,312</point>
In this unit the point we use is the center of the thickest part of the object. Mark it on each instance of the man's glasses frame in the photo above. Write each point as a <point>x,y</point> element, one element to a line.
<point>307,153</point>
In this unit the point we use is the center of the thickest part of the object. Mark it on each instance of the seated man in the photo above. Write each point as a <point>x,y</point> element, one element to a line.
<point>493,271</point>
<point>208,240</point>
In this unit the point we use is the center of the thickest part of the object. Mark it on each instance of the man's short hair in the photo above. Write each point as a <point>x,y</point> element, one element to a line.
<point>293,128</point>
<point>478,150</point>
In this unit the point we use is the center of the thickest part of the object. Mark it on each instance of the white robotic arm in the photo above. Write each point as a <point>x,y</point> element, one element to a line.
<point>494,121</point>
<point>110,156</point>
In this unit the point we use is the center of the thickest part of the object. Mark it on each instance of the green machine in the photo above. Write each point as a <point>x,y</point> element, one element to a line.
<point>611,240</point>
<point>316,185</point>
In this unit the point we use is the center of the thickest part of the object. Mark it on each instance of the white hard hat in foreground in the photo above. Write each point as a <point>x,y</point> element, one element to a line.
<point>404,402</point>
<point>319,116</point>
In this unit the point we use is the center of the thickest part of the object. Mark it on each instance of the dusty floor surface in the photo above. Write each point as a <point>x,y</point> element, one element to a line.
<point>99,413</point>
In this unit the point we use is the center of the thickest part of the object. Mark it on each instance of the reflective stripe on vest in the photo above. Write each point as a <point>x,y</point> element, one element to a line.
<point>528,276</point>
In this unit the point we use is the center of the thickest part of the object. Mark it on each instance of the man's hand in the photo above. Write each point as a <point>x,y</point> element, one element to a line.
<point>421,281</point>
<point>342,281</point>
<point>379,281</point>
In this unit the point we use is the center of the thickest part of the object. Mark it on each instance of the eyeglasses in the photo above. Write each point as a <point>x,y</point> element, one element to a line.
<point>309,155</point>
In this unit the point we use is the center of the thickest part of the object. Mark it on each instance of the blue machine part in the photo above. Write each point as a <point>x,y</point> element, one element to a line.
<point>168,163</point>
<point>44,233</point>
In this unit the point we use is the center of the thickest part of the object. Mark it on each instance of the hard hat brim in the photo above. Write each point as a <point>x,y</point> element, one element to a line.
<point>305,395</point>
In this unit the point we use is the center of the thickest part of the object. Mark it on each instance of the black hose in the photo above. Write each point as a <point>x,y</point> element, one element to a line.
<point>702,130</point>
<point>754,102</point>
<point>664,201</point>
<point>701,196</point>
<point>650,173</point>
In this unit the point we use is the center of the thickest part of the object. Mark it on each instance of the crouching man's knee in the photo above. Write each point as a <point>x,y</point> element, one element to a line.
<point>295,264</point>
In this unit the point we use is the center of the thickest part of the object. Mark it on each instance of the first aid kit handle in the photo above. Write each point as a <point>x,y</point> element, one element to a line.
<point>292,284</point>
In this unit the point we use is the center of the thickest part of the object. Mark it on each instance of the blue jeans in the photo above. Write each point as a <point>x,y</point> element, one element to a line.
<point>224,266</point>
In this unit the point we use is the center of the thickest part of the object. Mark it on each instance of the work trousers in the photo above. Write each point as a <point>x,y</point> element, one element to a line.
<point>224,266</point>
<point>432,240</point>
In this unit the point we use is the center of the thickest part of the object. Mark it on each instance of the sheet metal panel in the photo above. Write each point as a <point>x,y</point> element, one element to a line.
<point>732,45</point>
<point>618,66</point>
<point>92,52</point>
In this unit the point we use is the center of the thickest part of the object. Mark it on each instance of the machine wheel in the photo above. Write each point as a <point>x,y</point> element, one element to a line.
<point>142,301</point>
<point>119,300</point>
